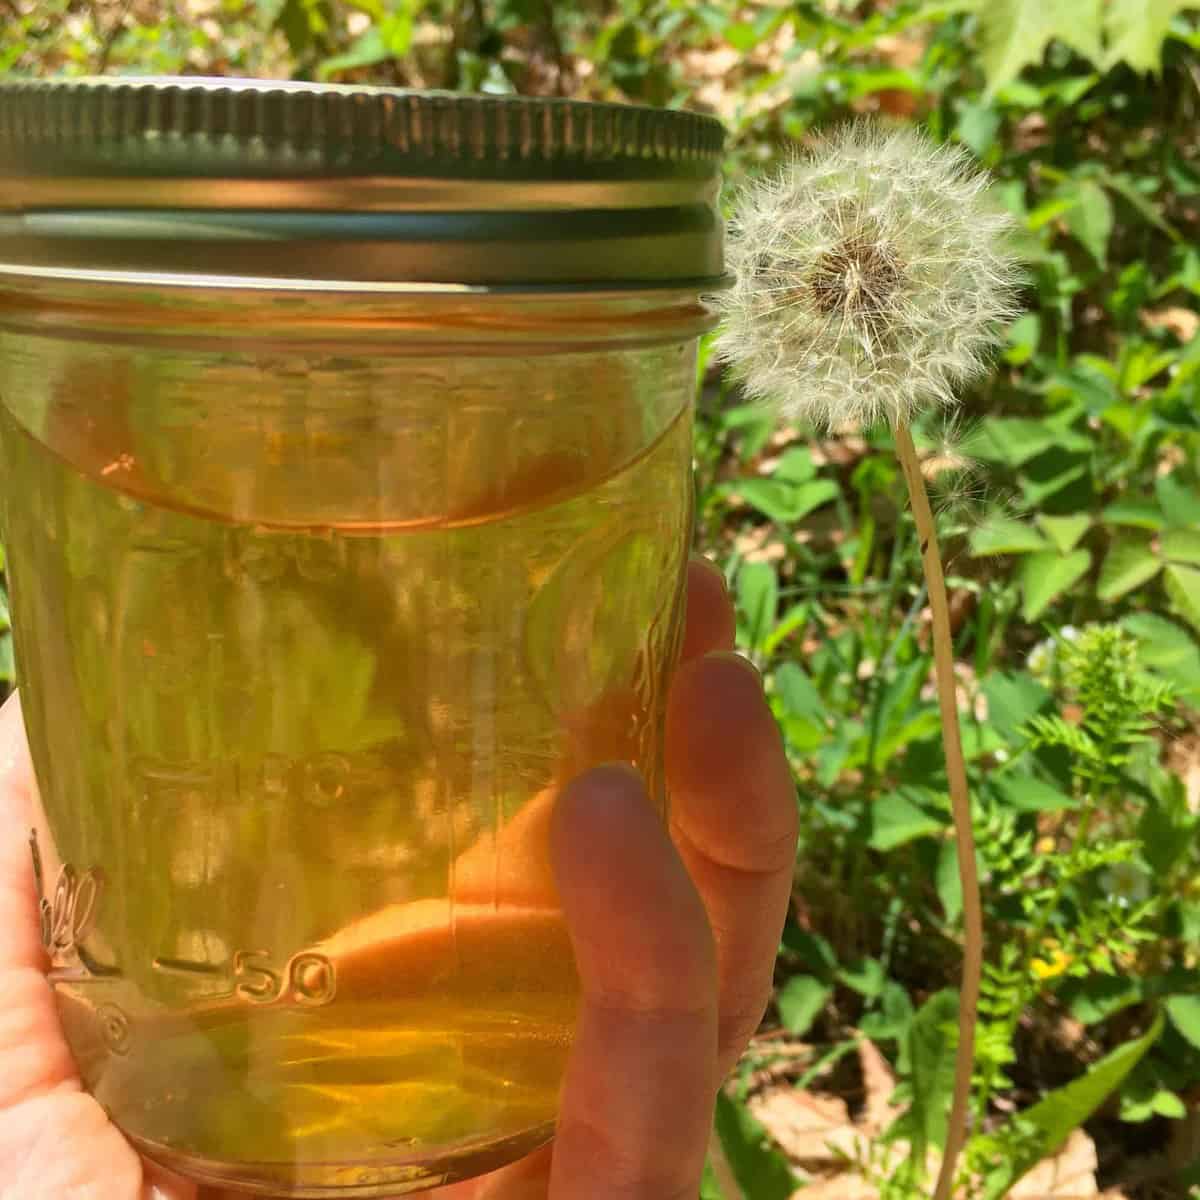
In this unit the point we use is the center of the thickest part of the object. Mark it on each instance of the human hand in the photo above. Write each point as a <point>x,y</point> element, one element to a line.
<point>674,936</point>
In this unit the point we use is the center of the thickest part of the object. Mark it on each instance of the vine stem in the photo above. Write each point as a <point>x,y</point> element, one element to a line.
<point>960,805</point>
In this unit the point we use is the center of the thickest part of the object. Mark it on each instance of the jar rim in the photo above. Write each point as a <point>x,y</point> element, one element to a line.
<point>260,178</point>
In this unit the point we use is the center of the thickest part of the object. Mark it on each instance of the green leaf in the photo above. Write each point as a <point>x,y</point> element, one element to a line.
<point>1097,997</point>
<point>1015,33</point>
<point>1140,514</point>
<point>1182,545</point>
<point>782,501</point>
<point>796,466</point>
<point>1179,502</point>
<point>1023,337</point>
<point>1026,793</point>
<point>948,882</point>
<point>1065,532</point>
<point>977,128</point>
<point>800,1000</point>
<point>1183,587</point>
<point>1184,1012</point>
<point>1090,218</point>
<point>799,694</point>
<point>758,599</point>
<point>1127,566</point>
<point>814,951</point>
<point>1052,1119</point>
<point>1167,649</point>
<point>1045,576</point>
<point>893,1016</point>
<point>897,819</point>
<point>932,1038</point>
<point>1004,535</point>
<point>761,1171</point>
<point>864,976</point>
<point>1135,31</point>
<point>366,51</point>
<point>1012,699</point>
<point>1011,440</point>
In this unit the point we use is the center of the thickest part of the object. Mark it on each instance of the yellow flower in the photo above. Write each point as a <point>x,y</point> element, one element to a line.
<point>1055,963</point>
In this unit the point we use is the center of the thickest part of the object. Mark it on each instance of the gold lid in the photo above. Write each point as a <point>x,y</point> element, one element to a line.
<point>304,183</point>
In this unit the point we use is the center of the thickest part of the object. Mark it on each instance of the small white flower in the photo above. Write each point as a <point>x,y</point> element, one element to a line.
<point>872,277</point>
<point>1041,657</point>
<point>1068,633</point>
<point>1126,884</point>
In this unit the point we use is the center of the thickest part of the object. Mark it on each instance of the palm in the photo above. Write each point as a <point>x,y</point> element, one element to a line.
<point>662,1017</point>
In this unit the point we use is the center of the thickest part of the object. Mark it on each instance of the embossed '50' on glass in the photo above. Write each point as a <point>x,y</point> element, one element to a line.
<point>346,471</point>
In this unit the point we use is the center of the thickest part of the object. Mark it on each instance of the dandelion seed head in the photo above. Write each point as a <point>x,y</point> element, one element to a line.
<point>872,277</point>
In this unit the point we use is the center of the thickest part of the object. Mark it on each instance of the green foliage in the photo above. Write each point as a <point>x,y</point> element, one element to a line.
<point>1068,505</point>
<point>1043,1128</point>
<point>759,1170</point>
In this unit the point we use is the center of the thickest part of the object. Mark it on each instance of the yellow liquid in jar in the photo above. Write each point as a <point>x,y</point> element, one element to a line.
<point>308,939</point>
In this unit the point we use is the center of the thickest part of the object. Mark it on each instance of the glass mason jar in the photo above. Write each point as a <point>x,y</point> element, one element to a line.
<point>346,444</point>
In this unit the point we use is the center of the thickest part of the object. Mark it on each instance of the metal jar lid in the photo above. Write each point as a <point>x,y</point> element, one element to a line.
<point>214,180</point>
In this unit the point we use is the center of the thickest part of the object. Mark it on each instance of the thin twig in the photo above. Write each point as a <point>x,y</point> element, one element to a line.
<point>107,37</point>
<point>556,47</point>
<point>960,804</point>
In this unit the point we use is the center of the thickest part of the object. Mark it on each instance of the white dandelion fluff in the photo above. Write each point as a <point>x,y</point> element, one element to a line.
<point>872,277</point>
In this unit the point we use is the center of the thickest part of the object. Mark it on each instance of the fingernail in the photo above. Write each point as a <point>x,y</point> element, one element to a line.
<point>741,660</point>
<point>707,563</point>
<point>626,768</point>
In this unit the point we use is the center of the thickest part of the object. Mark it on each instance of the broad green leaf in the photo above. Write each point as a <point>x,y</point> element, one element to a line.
<point>1029,794</point>
<point>783,501</point>
<point>1140,514</point>
<point>1167,649</point>
<point>1182,545</point>
<point>896,819</point>
<point>1127,566</point>
<point>894,1015</point>
<point>978,739</point>
<point>816,953</point>
<point>1065,532</point>
<point>1179,501</point>
<point>796,466</point>
<point>1051,475</point>
<point>1097,997</point>
<point>1135,31</point>
<point>799,694</point>
<point>761,1171</point>
<point>1012,699</point>
<point>367,51</point>
<point>1005,535</point>
<point>977,127</point>
<point>1011,440</point>
<point>1184,1012</point>
<point>758,598</point>
<point>1059,1112</point>
<point>931,1042</point>
<point>1183,587</point>
<point>1023,337</point>
<point>1015,33</point>
<point>948,882</point>
<point>1045,576</point>
<point>1166,834</point>
<point>1090,218</point>
<point>800,1000</point>
<point>865,976</point>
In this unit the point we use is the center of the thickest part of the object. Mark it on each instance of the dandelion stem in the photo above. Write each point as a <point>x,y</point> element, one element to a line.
<point>960,804</point>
